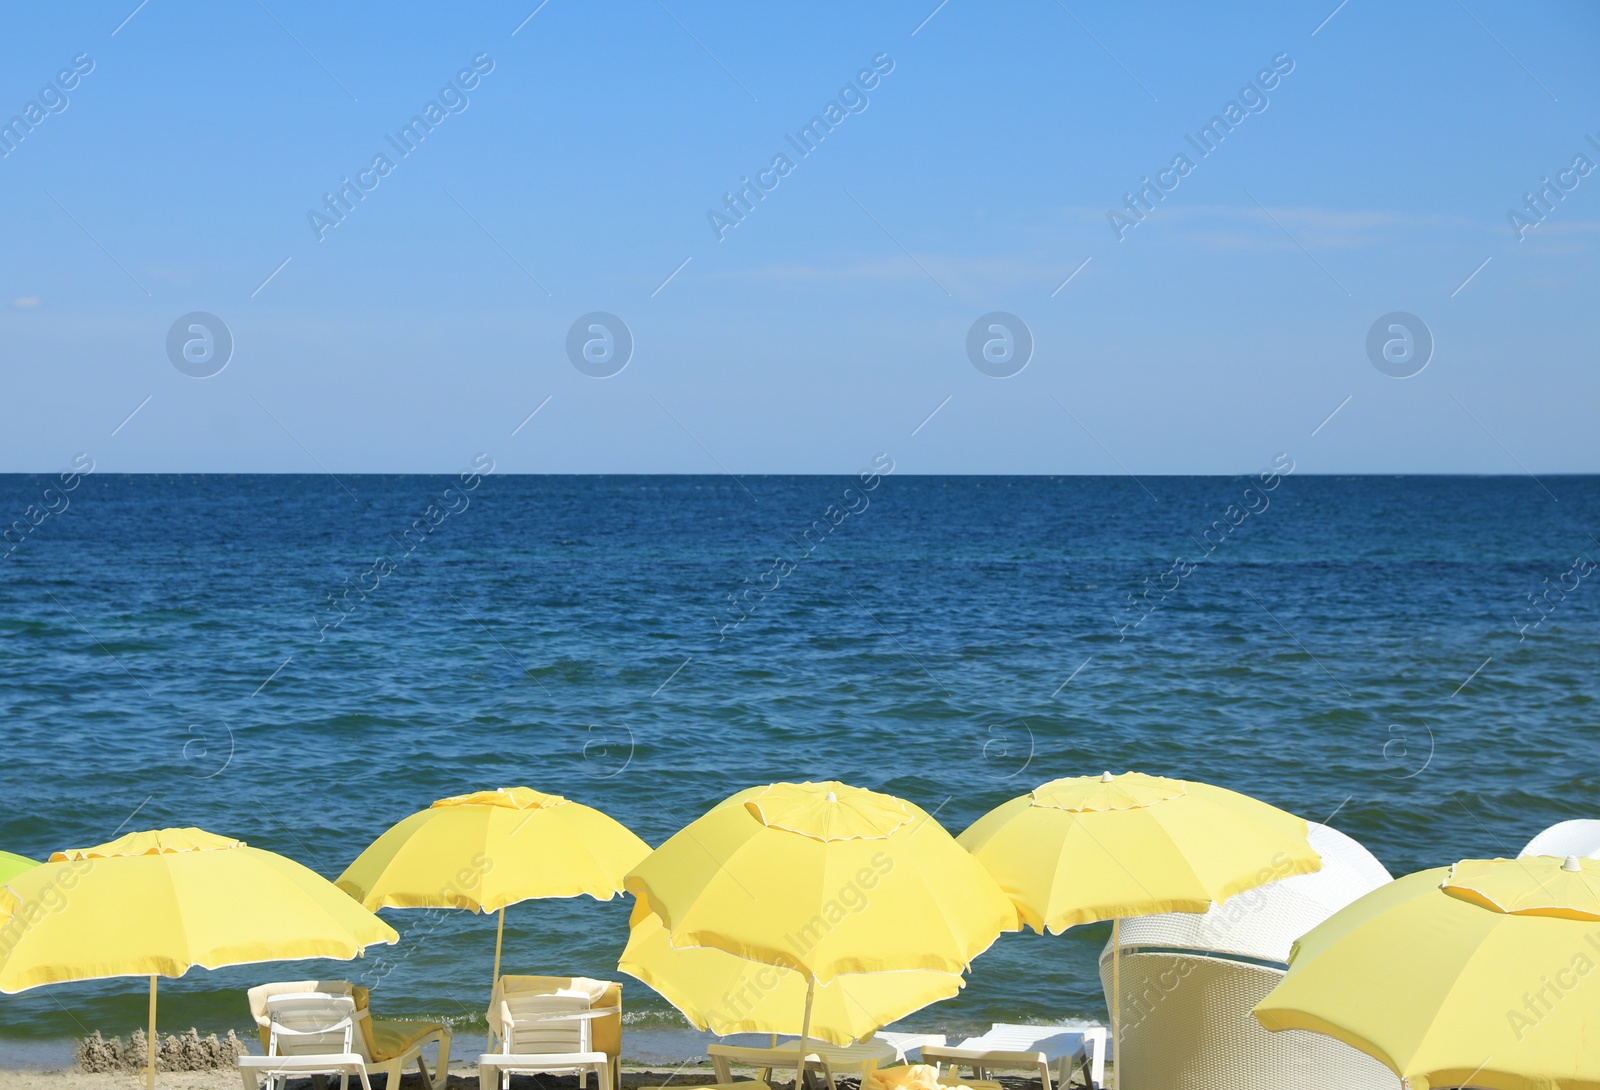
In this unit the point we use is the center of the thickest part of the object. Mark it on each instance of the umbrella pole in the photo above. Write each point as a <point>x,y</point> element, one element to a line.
<point>150,1045</point>
<point>805,1031</point>
<point>499,935</point>
<point>1116,1003</point>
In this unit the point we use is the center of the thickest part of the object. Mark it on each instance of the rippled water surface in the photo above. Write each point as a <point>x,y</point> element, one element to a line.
<point>1360,647</point>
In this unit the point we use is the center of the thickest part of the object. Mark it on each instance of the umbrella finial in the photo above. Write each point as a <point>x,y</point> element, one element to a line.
<point>833,796</point>
<point>1571,864</point>
<point>1106,777</point>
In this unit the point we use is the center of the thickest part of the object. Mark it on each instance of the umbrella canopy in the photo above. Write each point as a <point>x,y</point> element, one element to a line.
<point>159,903</point>
<point>724,993</point>
<point>1086,848</point>
<point>491,849</point>
<point>12,865</point>
<point>824,878</point>
<point>1460,975</point>
<point>1090,848</point>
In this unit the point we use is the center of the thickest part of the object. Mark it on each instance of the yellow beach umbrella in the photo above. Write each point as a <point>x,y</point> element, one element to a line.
<point>823,879</point>
<point>1471,975</point>
<point>12,865</point>
<point>159,903</point>
<point>490,849</point>
<point>1088,848</point>
<point>724,993</point>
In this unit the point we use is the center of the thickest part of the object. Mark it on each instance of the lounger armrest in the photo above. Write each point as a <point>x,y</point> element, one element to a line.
<point>753,1055</point>
<point>538,1059</point>
<point>988,1057</point>
<point>301,1063</point>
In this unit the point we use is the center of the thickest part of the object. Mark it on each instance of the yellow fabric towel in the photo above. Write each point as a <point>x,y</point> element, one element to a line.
<point>915,1077</point>
<point>391,1039</point>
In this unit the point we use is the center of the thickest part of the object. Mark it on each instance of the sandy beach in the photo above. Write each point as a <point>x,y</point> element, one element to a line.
<point>462,1077</point>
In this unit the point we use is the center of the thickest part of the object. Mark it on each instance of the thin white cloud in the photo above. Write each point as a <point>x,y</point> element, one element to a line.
<point>26,302</point>
<point>964,275</point>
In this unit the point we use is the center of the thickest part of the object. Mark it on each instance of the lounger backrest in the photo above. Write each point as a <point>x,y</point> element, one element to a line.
<point>311,1024</point>
<point>261,994</point>
<point>605,1032</point>
<point>532,1024</point>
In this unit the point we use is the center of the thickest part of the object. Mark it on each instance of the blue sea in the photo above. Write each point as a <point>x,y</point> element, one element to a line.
<point>301,661</point>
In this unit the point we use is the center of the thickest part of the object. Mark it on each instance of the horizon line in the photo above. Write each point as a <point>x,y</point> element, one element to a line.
<point>808,473</point>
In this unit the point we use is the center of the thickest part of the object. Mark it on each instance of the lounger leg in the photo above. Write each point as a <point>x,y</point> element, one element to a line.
<point>422,1066</point>
<point>488,1077</point>
<point>1044,1077</point>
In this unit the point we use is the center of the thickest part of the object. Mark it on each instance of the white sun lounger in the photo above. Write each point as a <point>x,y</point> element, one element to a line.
<point>323,1033</point>
<point>548,1034</point>
<point>1009,1047</point>
<point>862,1058</point>
<point>312,1034</point>
<point>301,1026</point>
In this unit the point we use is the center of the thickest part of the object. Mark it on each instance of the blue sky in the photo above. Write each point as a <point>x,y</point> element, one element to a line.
<point>832,321</point>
